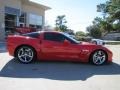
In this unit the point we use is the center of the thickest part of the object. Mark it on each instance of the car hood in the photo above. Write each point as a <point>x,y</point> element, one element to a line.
<point>86,43</point>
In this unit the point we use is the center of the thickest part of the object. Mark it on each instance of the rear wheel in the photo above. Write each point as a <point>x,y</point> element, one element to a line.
<point>99,57</point>
<point>25,54</point>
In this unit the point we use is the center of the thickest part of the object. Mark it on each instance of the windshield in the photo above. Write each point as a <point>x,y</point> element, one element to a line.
<point>71,38</point>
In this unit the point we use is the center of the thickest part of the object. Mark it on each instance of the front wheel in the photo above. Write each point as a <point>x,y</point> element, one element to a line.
<point>25,54</point>
<point>99,57</point>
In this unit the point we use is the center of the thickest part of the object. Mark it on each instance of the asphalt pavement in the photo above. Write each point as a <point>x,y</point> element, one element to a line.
<point>3,47</point>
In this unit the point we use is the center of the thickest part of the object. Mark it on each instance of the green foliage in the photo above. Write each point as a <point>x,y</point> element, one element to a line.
<point>116,27</point>
<point>61,23</point>
<point>94,31</point>
<point>114,9</point>
<point>111,8</point>
<point>80,33</point>
<point>110,20</point>
<point>70,31</point>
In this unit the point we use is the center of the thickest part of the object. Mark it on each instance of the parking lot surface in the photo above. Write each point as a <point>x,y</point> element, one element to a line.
<point>59,75</point>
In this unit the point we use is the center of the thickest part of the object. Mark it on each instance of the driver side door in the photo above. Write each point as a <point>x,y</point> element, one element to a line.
<point>54,47</point>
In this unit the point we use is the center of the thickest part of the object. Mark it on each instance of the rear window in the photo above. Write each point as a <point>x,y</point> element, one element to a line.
<point>33,35</point>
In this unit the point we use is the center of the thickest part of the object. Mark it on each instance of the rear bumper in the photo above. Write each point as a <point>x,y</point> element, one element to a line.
<point>11,49</point>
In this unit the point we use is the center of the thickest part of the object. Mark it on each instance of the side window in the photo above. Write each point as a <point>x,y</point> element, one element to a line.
<point>54,37</point>
<point>33,35</point>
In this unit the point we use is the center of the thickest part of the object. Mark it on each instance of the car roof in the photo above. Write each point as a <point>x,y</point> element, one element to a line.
<point>51,31</point>
<point>45,32</point>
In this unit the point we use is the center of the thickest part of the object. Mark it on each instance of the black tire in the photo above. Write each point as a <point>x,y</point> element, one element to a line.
<point>99,57</point>
<point>25,54</point>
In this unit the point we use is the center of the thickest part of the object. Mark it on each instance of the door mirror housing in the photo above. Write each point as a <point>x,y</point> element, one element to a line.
<point>66,42</point>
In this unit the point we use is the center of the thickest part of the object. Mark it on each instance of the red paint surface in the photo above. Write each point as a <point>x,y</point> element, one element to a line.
<point>56,51</point>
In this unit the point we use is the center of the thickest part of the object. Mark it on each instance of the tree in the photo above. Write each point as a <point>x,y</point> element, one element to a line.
<point>104,25</point>
<point>70,31</point>
<point>94,31</point>
<point>111,12</point>
<point>109,22</point>
<point>61,23</point>
<point>102,8</point>
<point>80,33</point>
<point>114,9</point>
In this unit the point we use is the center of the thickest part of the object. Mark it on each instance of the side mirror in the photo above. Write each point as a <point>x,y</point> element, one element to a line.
<point>66,42</point>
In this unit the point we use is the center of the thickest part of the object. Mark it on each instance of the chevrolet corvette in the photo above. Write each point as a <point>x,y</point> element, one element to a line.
<point>55,46</point>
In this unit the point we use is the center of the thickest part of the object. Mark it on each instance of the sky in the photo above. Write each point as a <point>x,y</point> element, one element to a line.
<point>79,13</point>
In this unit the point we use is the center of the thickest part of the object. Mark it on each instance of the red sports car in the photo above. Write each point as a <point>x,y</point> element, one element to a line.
<point>55,46</point>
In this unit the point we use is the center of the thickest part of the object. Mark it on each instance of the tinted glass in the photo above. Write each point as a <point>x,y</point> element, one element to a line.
<point>71,39</point>
<point>33,35</point>
<point>54,37</point>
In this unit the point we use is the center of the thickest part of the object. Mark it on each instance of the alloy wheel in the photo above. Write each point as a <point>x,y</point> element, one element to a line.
<point>25,54</point>
<point>99,57</point>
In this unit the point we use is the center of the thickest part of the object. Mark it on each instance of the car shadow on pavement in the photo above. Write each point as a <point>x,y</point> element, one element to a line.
<point>57,70</point>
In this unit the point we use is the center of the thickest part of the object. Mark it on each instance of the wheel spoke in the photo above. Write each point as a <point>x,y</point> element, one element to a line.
<point>21,56</point>
<point>102,59</point>
<point>99,53</point>
<point>25,59</point>
<point>22,51</point>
